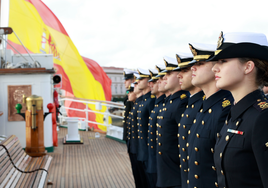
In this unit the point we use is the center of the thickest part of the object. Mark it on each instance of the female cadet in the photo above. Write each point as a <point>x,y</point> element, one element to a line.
<point>241,151</point>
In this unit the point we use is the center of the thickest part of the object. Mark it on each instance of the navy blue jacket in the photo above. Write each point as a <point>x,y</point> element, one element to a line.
<point>128,106</point>
<point>152,134</point>
<point>202,139</point>
<point>241,151</point>
<point>168,162</point>
<point>133,129</point>
<point>193,106</point>
<point>144,111</point>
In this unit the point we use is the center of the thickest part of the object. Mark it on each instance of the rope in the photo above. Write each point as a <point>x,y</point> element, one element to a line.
<point>17,167</point>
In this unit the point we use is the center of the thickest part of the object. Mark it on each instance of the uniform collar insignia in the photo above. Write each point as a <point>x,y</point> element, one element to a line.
<point>204,97</point>
<point>226,103</point>
<point>263,105</point>
<point>183,96</point>
<point>152,96</point>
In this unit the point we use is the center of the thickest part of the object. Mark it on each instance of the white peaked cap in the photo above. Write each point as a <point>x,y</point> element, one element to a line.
<point>245,37</point>
<point>171,60</point>
<point>185,55</point>
<point>154,71</point>
<point>128,71</point>
<point>204,47</point>
<point>144,71</point>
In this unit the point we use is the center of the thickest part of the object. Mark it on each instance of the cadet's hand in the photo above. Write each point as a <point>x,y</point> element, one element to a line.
<point>1,113</point>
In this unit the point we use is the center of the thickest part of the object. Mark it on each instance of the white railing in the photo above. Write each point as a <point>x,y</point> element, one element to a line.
<point>99,105</point>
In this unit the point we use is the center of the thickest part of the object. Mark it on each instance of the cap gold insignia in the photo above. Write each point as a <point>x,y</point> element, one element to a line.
<point>183,96</point>
<point>226,103</point>
<point>263,105</point>
<point>166,63</point>
<point>158,69</point>
<point>178,59</point>
<point>220,40</point>
<point>192,50</point>
<point>151,73</point>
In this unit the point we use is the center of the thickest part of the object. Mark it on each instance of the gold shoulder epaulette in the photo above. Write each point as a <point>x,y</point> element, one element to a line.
<point>183,96</point>
<point>226,103</point>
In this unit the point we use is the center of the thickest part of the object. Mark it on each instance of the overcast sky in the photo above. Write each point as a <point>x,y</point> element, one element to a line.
<point>139,33</point>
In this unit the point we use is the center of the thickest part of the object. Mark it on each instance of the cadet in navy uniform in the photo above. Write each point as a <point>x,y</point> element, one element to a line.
<point>208,121</point>
<point>241,151</point>
<point>135,95</point>
<point>144,111</point>
<point>193,106</point>
<point>168,163</point>
<point>151,169</point>
<point>129,78</point>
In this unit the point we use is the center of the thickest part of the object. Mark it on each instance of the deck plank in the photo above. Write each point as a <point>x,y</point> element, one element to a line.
<point>98,163</point>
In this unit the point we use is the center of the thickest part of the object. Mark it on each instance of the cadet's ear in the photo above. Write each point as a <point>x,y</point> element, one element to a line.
<point>249,67</point>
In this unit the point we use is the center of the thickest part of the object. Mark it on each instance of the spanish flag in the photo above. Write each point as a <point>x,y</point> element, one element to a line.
<point>41,32</point>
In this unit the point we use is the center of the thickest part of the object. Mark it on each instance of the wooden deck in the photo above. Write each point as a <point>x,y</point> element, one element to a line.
<point>99,162</point>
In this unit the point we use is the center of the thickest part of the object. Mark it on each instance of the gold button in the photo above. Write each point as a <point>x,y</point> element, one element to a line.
<point>160,135</point>
<point>183,149</point>
<point>189,132</point>
<point>133,137</point>
<point>160,153</point>
<point>216,184</point>
<point>183,137</point>
<point>196,163</point>
<point>226,122</point>
<point>220,155</point>
<point>179,146</point>
<point>197,135</point>
<point>213,167</point>
<point>179,125</point>
<point>178,135</point>
<point>152,133</point>
<point>192,106</point>
<point>188,157</point>
<point>237,123</point>
<point>138,136</point>
<point>180,166</point>
<point>187,115</point>
<point>170,101</point>
<point>227,138</point>
<point>140,131</point>
<point>222,172</point>
<point>160,127</point>
<point>187,145</point>
<point>183,160</point>
<point>147,144</point>
<point>196,176</point>
<point>184,126</point>
<point>182,115</point>
<point>218,135</point>
<point>203,122</point>
<point>187,106</point>
<point>141,138</point>
<point>196,149</point>
<point>152,147</point>
<point>201,110</point>
<point>188,182</point>
<point>209,111</point>
<point>194,120</point>
<point>159,144</point>
<point>179,155</point>
<point>212,150</point>
<point>259,100</point>
<point>152,140</point>
<point>185,170</point>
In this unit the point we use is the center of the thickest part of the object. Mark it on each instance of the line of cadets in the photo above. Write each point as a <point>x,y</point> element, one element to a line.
<point>176,114</point>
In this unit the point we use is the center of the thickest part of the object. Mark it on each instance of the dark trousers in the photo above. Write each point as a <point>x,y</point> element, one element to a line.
<point>138,172</point>
<point>152,179</point>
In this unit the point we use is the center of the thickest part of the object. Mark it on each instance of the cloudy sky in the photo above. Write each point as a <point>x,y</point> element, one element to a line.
<point>132,34</point>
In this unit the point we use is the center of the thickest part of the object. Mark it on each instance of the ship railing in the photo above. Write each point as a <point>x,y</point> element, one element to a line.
<point>98,105</point>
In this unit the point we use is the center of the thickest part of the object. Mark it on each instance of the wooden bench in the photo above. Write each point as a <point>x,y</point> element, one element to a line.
<point>17,169</point>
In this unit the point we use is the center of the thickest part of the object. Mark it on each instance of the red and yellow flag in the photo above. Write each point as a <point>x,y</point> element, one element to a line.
<point>41,32</point>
